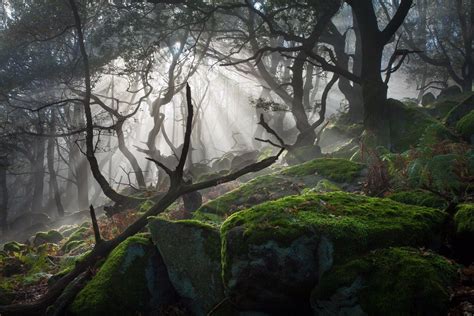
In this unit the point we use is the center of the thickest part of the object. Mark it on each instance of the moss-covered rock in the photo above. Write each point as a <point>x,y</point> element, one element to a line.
<point>407,125</point>
<point>463,108</point>
<point>291,242</point>
<point>289,181</point>
<point>394,281</point>
<point>145,206</point>
<point>133,280</point>
<point>302,154</point>
<point>464,232</point>
<point>325,186</point>
<point>52,236</point>
<point>76,239</point>
<point>420,198</point>
<point>14,246</point>
<point>465,127</point>
<point>191,252</point>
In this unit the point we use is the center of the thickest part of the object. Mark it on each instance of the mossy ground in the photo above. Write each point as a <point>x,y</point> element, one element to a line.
<point>52,236</point>
<point>395,281</point>
<point>354,223</point>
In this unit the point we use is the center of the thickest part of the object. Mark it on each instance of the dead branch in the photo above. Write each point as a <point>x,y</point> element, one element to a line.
<point>95,227</point>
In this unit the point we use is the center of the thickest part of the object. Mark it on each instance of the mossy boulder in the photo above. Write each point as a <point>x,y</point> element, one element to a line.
<point>407,125</point>
<point>465,127</point>
<point>420,198</point>
<point>344,173</point>
<point>191,252</point>
<point>145,206</point>
<point>77,238</point>
<point>52,236</point>
<point>464,232</point>
<point>133,280</point>
<point>463,108</point>
<point>394,281</point>
<point>274,253</point>
<point>14,246</point>
<point>325,185</point>
<point>302,154</point>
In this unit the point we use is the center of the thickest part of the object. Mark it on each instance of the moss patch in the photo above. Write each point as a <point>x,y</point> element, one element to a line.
<point>339,170</point>
<point>407,125</point>
<point>76,239</point>
<point>125,284</point>
<point>14,246</point>
<point>289,181</point>
<point>52,236</point>
<point>395,281</point>
<point>420,198</point>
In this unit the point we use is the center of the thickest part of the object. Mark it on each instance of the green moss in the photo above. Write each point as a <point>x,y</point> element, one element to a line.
<point>354,223</point>
<point>145,206</point>
<point>286,182</point>
<point>464,107</point>
<point>121,285</point>
<point>395,281</point>
<point>336,169</point>
<point>464,219</point>
<point>420,198</point>
<point>52,236</point>
<point>77,238</point>
<point>191,253</point>
<point>407,125</point>
<point>14,246</point>
<point>326,186</point>
<point>466,126</point>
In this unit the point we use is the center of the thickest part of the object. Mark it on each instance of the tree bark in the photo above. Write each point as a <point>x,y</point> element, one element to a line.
<point>4,194</point>
<point>130,157</point>
<point>38,175</point>
<point>307,135</point>
<point>52,172</point>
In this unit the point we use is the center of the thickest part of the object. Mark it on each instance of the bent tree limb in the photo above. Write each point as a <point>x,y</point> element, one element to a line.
<point>101,249</point>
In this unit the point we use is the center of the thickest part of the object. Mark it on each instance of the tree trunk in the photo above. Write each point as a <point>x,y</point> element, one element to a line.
<point>38,175</point>
<point>52,172</point>
<point>374,89</point>
<point>4,194</point>
<point>82,182</point>
<point>307,135</point>
<point>130,157</point>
